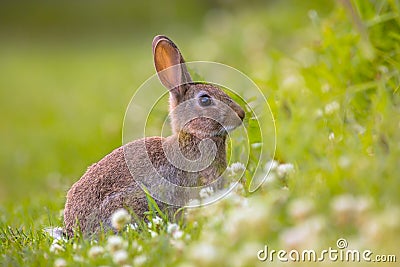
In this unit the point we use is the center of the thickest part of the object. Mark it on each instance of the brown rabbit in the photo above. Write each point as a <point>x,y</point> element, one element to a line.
<point>199,112</point>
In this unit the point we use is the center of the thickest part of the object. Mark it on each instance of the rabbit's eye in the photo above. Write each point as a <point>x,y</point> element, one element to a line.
<point>204,100</point>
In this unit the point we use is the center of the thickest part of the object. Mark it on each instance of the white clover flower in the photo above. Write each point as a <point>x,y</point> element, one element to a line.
<point>120,257</point>
<point>56,248</point>
<point>255,217</point>
<point>120,218</point>
<point>239,189</point>
<point>206,192</point>
<point>271,165</point>
<point>292,81</point>
<point>378,226</point>
<point>60,263</point>
<point>347,207</point>
<point>177,234</point>
<point>271,179</point>
<point>95,252</point>
<point>172,227</point>
<point>303,235</point>
<point>284,169</point>
<point>204,254</point>
<point>343,204</point>
<point>152,233</point>
<point>76,246</point>
<point>115,243</point>
<point>318,113</point>
<point>177,243</point>
<point>300,209</point>
<point>236,168</point>
<point>56,233</point>
<point>157,221</point>
<point>78,258</point>
<point>332,107</point>
<point>139,260</point>
<point>188,237</point>
<point>372,230</point>
<point>135,245</point>
<point>331,136</point>
<point>237,198</point>
<point>325,88</point>
<point>363,204</point>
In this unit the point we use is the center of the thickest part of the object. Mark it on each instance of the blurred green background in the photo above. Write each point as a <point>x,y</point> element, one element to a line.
<point>329,69</point>
<point>69,68</point>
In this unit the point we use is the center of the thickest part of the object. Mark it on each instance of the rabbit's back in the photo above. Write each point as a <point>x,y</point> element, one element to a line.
<point>109,185</point>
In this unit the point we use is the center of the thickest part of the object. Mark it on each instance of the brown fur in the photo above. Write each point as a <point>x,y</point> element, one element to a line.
<point>112,183</point>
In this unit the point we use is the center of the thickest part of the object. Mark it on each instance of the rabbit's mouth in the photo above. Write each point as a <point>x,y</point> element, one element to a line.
<point>225,130</point>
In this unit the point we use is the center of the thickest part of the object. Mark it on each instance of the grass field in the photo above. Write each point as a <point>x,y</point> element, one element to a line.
<point>330,72</point>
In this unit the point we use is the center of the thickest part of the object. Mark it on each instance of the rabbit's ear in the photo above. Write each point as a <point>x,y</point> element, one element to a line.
<point>166,55</point>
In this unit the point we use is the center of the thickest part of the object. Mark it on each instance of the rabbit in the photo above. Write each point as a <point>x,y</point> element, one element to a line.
<point>114,181</point>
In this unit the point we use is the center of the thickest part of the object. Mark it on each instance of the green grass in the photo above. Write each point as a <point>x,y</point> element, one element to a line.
<point>332,79</point>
